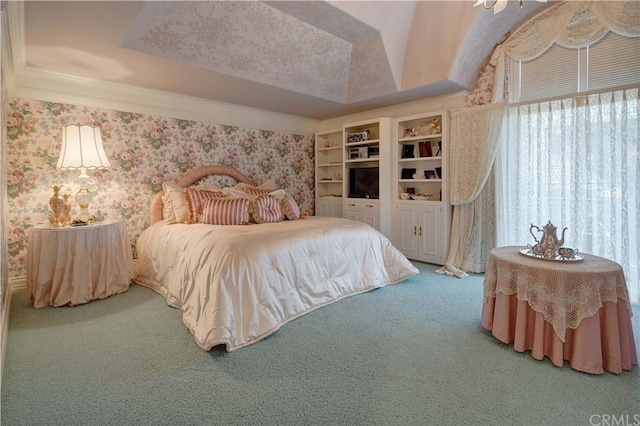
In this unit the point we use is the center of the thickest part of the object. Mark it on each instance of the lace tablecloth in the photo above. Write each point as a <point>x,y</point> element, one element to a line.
<point>563,292</point>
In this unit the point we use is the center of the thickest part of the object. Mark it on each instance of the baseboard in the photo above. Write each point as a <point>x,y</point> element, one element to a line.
<point>17,283</point>
<point>6,310</point>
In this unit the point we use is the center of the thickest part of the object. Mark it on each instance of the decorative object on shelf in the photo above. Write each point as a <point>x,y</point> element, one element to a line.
<point>430,174</point>
<point>359,136</point>
<point>548,245</point>
<point>425,149</point>
<point>57,205</point>
<point>405,196</point>
<point>436,126</point>
<point>411,191</point>
<point>408,173</point>
<point>327,144</point>
<point>421,197</point>
<point>65,217</point>
<point>439,172</point>
<point>497,5</point>
<point>407,151</point>
<point>408,133</point>
<point>358,153</point>
<point>81,150</point>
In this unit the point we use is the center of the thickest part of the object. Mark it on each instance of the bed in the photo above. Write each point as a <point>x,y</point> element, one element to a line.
<point>237,284</point>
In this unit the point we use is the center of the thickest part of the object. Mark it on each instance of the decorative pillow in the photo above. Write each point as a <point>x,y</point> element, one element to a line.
<point>225,211</point>
<point>167,209</point>
<point>195,201</point>
<point>290,208</point>
<point>175,208</point>
<point>278,194</point>
<point>265,188</point>
<point>265,209</point>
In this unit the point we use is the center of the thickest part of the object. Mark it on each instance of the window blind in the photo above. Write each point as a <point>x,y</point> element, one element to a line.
<point>614,61</point>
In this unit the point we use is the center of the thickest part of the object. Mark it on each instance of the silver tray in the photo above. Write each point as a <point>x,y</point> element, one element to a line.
<point>529,253</point>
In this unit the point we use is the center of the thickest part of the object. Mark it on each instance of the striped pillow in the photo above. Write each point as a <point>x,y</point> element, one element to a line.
<point>225,211</point>
<point>269,186</point>
<point>195,201</point>
<point>257,191</point>
<point>290,208</point>
<point>265,209</point>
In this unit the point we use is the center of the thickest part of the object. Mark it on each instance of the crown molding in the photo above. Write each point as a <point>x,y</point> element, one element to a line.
<point>53,87</point>
<point>12,41</point>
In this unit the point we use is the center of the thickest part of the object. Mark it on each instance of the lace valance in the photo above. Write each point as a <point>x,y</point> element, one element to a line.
<point>572,25</point>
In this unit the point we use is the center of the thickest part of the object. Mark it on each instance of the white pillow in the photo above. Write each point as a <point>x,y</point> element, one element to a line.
<point>175,197</point>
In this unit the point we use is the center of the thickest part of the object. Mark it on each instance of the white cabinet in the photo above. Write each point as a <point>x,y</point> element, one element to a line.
<point>419,233</point>
<point>367,167</point>
<point>329,173</point>
<point>420,153</point>
<point>329,207</point>
<point>366,211</point>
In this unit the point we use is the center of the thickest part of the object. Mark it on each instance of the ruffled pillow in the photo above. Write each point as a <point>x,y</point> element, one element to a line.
<point>174,205</point>
<point>225,211</point>
<point>265,188</point>
<point>265,209</point>
<point>290,208</point>
<point>195,201</point>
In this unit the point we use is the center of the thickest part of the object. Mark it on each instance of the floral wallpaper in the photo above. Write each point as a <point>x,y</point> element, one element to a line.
<point>144,151</point>
<point>482,94</point>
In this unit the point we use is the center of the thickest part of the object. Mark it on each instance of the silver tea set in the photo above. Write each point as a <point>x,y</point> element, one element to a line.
<point>549,246</point>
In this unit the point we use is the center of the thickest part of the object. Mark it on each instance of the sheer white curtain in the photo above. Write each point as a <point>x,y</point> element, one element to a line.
<point>575,162</point>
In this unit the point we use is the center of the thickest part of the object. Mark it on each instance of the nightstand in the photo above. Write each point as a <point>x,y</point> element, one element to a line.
<point>74,265</point>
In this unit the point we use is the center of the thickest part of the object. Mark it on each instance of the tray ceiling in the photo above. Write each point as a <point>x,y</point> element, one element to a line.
<point>315,59</point>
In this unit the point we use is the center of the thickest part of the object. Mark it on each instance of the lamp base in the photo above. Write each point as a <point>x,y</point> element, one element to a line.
<point>83,198</point>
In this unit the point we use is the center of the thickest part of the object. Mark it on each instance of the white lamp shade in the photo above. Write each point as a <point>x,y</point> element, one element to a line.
<point>82,149</point>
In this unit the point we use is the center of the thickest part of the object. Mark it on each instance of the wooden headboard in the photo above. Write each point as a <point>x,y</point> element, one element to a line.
<point>155,212</point>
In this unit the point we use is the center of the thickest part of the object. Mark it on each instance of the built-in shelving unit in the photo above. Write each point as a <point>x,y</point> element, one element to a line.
<point>422,218</point>
<point>329,173</point>
<point>367,147</point>
<point>388,159</point>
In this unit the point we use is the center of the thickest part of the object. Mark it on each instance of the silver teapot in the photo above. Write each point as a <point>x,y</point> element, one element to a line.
<point>548,245</point>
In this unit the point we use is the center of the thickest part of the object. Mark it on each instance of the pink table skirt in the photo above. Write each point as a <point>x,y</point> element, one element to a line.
<point>602,341</point>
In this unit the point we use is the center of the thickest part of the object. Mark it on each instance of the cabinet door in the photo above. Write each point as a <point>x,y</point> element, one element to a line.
<point>369,217</point>
<point>335,210</point>
<point>372,219</point>
<point>431,234</point>
<point>406,234</point>
<point>352,215</point>
<point>329,207</point>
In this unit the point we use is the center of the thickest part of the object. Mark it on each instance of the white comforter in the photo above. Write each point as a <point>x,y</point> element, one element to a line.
<point>238,284</point>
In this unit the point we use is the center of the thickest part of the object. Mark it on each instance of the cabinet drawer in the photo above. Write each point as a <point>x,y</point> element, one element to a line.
<point>364,204</point>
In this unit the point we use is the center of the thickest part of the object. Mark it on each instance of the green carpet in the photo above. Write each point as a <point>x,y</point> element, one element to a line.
<point>408,354</point>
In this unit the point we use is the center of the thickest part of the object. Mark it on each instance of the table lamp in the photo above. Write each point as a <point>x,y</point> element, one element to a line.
<point>81,150</point>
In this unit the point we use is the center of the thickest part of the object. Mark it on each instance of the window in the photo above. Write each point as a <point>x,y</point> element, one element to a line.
<point>614,61</point>
<point>575,160</point>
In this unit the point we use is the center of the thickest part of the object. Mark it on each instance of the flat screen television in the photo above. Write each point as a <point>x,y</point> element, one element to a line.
<point>364,182</point>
